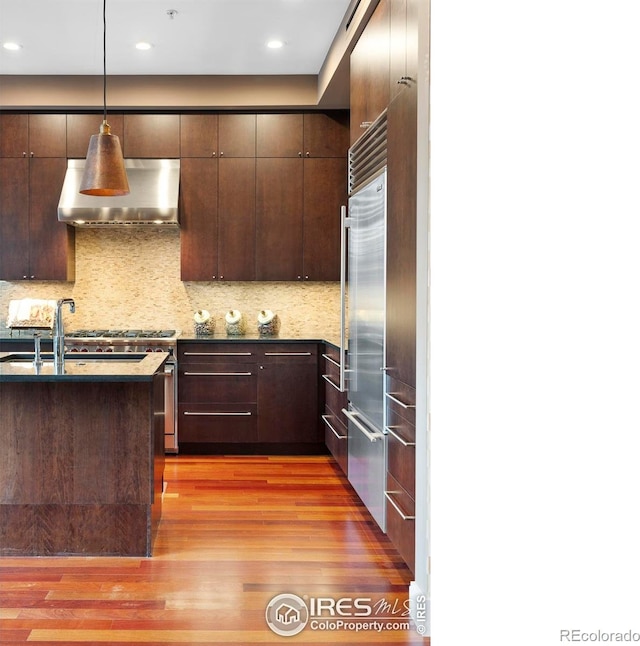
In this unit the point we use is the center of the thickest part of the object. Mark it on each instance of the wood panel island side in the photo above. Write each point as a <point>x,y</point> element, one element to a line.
<point>82,455</point>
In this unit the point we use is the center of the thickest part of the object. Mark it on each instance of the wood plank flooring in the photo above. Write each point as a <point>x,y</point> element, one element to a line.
<point>236,531</point>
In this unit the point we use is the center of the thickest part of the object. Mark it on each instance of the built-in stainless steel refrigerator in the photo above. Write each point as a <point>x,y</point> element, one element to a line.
<point>367,443</point>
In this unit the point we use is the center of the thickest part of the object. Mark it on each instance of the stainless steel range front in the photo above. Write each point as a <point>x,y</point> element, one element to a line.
<point>138,341</point>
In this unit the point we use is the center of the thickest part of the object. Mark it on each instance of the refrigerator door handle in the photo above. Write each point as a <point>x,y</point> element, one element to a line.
<point>344,220</point>
<point>372,437</point>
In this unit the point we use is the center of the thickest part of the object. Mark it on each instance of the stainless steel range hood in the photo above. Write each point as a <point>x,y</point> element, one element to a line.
<point>153,199</point>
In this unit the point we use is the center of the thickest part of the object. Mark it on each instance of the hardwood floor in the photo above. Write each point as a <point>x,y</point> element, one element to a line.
<point>235,532</point>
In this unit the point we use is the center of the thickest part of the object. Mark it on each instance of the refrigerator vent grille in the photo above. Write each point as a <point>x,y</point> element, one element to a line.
<point>368,154</point>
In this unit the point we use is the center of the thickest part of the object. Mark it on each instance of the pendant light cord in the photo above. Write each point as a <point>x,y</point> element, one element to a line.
<point>104,60</point>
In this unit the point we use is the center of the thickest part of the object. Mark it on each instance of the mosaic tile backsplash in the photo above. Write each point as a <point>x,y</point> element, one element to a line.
<point>130,278</point>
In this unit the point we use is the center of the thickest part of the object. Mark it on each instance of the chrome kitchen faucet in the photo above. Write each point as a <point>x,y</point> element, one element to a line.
<point>58,334</point>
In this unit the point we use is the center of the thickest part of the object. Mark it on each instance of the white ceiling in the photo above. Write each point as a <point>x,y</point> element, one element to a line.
<point>205,36</point>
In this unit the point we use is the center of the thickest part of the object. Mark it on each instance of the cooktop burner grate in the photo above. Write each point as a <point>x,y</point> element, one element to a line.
<point>122,334</point>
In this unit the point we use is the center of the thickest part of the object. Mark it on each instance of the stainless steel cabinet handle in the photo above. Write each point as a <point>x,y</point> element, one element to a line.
<point>397,401</point>
<point>221,414</point>
<point>372,437</point>
<point>390,430</point>
<point>325,418</point>
<point>394,504</point>
<point>218,374</point>
<point>331,359</point>
<point>218,354</point>
<point>287,354</point>
<point>328,380</point>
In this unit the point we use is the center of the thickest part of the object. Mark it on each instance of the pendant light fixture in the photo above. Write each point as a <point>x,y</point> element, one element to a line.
<point>104,172</point>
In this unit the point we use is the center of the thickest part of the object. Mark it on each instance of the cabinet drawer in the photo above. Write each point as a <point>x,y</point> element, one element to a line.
<point>401,399</point>
<point>334,399</point>
<point>401,451</point>
<point>217,423</point>
<point>401,524</point>
<point>223,382</point>
<point>213,353</point>
<point>288,352</point>
<point>332,353</point>
<point>336,438</point>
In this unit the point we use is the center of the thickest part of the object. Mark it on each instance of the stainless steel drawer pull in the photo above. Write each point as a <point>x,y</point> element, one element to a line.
<point>331,360</point>
<point>390,430</point>
<point>287,354</point>
<point>326,421</point>
<point>397,401</point>
<point>394,504</point>
<point>328,380</point>
<point>221,414</point>
<point>218,354</point>
<point>372,437</point>
<point>218,374</point>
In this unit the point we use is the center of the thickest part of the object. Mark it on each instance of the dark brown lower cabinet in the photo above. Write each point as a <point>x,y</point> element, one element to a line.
<point>288,394</point>
<point>248,398</point>
<point>401,468</point>
<point>335,424</point>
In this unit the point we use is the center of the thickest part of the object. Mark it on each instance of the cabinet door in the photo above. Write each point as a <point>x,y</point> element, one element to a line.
<point>326,135</point>
<point>325,190</point>
<point>81,127</point>
<point>279,207</point>
<point>14,219</point>
<point>198,219</point>
<point>370,72</point>
<point>401,237</point>
<point>48,135</point>
<point>237,135</point>
<point>403,44</point>
<point>198,135</point>
<point>279,135</point>
<point>237,219</point>
<point>288,394</point>
<point>151,135</point>
<point>51,242</point>
<point>14,135</point>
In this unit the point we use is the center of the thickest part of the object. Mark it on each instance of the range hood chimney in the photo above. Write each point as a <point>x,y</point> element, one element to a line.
<point>153,199</point>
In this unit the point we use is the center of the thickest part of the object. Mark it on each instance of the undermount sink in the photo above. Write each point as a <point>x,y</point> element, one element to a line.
<point>77,358</point>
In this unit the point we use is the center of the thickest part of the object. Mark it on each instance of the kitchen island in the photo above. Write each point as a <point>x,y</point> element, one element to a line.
<point>81,466</point>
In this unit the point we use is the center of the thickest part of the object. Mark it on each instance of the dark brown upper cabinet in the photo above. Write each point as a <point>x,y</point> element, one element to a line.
<point>326,135</point>
<point>35,246</point>
<point>154,136</point>
<point>81,127</point>
<point>369,83</point>
<point>403,45</point>
<point>198,218</point>
<point>33,135</point>
<point>279,135</point>
<point>14,135</point>
<point>279,205</point>
<point>237,135</point>
<point>199,135</point>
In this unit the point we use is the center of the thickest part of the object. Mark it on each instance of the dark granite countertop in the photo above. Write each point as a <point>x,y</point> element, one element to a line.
<point>18,366</point>
<point>252,338</point>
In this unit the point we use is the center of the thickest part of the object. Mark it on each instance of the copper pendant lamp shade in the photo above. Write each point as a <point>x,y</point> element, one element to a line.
<point>104,172</point>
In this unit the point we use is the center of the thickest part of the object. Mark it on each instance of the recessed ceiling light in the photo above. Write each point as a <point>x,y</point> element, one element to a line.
<point>275,44</point>
<point>143,46</point>
<point>12,47</point>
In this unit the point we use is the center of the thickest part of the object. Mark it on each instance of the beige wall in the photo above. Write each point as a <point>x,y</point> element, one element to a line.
<point>130,278</point>
<point>169,92</point>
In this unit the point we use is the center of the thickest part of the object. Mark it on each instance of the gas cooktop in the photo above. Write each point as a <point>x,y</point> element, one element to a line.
<point>121,334</point>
